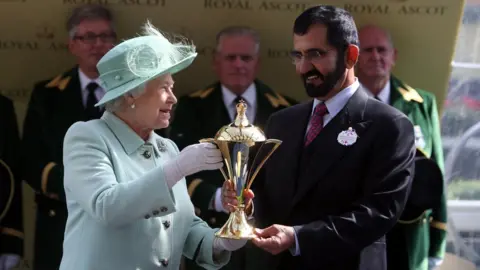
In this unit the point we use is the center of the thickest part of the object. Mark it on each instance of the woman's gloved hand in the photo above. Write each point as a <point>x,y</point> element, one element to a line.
<point>192,159</point>
<point>222,244</point>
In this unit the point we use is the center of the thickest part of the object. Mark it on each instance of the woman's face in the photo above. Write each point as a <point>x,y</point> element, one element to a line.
<point>153,107</point>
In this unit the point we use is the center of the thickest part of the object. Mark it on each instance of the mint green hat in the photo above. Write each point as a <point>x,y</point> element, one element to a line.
<point>141,59</point>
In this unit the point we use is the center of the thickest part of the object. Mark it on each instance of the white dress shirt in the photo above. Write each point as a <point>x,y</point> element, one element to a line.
<point>84,81</point>
<point>383,95</point>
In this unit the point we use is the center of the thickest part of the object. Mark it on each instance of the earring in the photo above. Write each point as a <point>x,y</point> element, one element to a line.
<point>132,106</point>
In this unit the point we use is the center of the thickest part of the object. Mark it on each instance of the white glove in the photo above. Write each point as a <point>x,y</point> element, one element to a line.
<point>218,202</point>
<point>221,244</point>
<point>8,261</point>
<point>192,159</point>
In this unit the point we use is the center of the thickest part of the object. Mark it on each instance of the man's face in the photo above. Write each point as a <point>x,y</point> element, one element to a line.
<point>92,40</point>
<point>319,64</point>
<point>236,62</point>
<point>377,56</point>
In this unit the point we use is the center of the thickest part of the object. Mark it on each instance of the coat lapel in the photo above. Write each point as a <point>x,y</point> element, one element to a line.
<point>72,97</point>
<point>264,108</point>
<point>283,178</point>
<point>325,151</point>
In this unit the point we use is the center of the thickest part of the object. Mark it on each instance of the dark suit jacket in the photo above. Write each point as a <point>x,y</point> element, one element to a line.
<point>341,199</point>
<point>54,106</point>
<point>11,212</point>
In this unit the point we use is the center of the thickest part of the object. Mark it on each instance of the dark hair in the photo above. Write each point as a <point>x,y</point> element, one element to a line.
<point>341,28</point>
<point>88,12</point>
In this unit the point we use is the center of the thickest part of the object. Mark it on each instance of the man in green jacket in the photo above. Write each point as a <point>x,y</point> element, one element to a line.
<point>202,113</point>
<point>419,242</point>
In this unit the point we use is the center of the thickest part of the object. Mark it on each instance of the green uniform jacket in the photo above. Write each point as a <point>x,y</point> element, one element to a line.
<point>11,215</point>
<point>414,241</point>
<point>54,106</point>
<point>200,115</point>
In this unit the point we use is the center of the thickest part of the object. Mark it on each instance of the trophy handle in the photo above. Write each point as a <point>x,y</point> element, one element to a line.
<point>277,144</point>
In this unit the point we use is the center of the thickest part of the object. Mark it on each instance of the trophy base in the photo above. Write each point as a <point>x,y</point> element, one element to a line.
<point>236,226</point>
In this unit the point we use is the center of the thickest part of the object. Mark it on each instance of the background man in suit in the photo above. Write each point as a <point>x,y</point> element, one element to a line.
<point>202,113</point>
<point>11,214</point>
<point>54,106</point>
<point>340,179</point>
<point>412,241</point>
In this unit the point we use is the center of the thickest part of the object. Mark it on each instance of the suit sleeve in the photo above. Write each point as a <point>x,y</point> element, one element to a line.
<point>43,171</point>
<point>182,132</point>
<point>11,226</point>
<point>91,182</point>
<point>438,222</point>
<point>388,181</point>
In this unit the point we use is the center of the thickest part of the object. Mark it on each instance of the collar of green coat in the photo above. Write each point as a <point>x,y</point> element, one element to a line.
<point>126,136</point>
<point>273,97</point>
<point>404,91</point>
<point>62,81</point>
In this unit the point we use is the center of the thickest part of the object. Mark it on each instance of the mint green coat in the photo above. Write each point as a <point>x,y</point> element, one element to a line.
<point>121,214</point>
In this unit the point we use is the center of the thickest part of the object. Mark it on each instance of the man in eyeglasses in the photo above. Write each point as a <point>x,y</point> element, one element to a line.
<point>55,104</point>
<point>202,113</point>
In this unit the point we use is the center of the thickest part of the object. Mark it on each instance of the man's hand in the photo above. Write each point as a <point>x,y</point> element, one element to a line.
<point>275,239</point>
<point>229,196</point>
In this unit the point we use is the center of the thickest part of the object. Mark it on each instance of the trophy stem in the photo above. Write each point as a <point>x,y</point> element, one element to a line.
<point>236,226</point>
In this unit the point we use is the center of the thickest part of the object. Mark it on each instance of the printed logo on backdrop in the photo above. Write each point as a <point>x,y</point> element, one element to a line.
<point>43,38</point>
<point>400,7</point>
<point>159,3</point>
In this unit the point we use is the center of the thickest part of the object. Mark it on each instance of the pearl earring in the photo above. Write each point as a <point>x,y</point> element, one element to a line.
<point>132,106</point>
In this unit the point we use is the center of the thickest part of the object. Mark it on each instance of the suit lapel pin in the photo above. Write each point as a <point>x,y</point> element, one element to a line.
<point>347,137</point>
<point>162,147</point>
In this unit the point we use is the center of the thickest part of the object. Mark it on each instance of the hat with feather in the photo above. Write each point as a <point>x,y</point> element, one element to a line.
<point>141,59</point>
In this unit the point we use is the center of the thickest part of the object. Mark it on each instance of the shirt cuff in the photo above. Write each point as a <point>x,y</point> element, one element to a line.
<point>218,201</point>
<point>295,250</point>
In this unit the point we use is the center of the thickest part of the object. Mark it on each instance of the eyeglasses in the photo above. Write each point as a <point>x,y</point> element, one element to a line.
<point>91,38</point>
<point>313,56</point>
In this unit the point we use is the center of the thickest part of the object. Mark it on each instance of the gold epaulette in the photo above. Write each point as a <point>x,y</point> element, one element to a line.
<point>202,93</point>
<point>409,93</point>
<point>60,82</point>
<point>277,100</point>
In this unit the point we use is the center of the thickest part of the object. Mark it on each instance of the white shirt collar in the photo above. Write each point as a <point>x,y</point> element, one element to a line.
<point>383,95</point>
<point>84,80</point>
<point>250,95</point>
<point>337,102</point>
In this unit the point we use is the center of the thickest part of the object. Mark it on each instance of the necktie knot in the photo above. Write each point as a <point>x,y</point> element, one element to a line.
<point>316,123</point>
<point>320,110</point>
<point>91,87</point>
<point>238,99</point>
<point>92,112</point>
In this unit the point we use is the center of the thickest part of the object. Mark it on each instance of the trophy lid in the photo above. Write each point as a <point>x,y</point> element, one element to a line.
<point>240,130</point>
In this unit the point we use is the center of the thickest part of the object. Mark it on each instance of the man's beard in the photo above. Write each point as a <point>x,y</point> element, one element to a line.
<point>328,81</point>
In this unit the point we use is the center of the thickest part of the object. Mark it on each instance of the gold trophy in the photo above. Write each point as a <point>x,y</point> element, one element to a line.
<point>236,142</point>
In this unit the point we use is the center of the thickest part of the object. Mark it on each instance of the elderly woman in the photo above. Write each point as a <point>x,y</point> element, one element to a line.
<point>128,205</point>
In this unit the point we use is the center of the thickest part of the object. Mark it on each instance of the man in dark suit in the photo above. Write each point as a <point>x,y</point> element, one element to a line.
<point>341,177</point>
<point>202,113</point>
<point>54,106</point>
<point>11,214</point>
<point>417,242</point>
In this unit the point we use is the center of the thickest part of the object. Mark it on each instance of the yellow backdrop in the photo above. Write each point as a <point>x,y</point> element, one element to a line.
<point>33,35</point>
